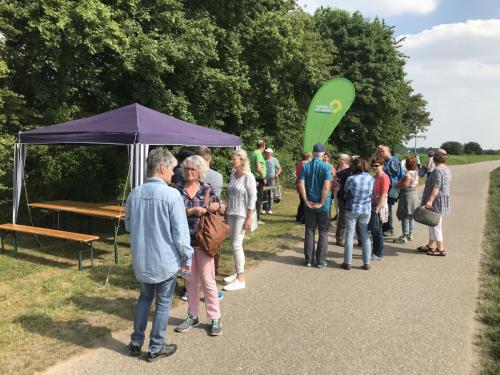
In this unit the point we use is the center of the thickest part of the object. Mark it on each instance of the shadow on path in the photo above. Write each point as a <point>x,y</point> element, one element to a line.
<point>77,332</point>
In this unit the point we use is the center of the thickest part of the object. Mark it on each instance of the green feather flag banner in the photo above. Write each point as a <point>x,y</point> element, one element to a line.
<point>327,108</point>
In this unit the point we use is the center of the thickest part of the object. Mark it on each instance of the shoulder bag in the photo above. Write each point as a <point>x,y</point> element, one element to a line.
<point>212,229</point>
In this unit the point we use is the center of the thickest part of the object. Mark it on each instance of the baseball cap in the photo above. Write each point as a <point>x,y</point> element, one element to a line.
<point>269,149</point>
<point>319,147</point>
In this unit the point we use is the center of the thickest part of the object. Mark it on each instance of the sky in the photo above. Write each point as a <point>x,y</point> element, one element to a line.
<point>454,61</point>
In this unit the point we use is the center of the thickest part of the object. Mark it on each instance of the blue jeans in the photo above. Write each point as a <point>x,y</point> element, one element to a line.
<point>375,226</point>
<point>407,225</point>
<point>164,293</point>
<point>350,228</point>
<point>270,195</point>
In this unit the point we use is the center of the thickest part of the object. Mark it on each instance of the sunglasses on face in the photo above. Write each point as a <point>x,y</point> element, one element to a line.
<point>188,169</point>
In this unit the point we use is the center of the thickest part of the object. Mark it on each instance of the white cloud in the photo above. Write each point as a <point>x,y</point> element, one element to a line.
<point>375,7</point>
<point>457,68</point>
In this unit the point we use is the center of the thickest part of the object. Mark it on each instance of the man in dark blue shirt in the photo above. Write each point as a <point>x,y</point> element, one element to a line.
<point>315,181</point>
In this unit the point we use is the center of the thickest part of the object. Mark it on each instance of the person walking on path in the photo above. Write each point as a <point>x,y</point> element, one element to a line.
<point>194,193</point>
<point>436,196</point>
<point>326,159</point>
<point>300,216</point>
<point>273,170</point>
<point>242,194</point>
<point>408,200</point>
<point>343,163</point>
<point>379,207</point>
<point>395,171</point>
<point>160,245</point>
<point>426,170</point>
<point>315,184</point>
<point>358,193</point>
<point>258,167</point>
<point>343,172</point>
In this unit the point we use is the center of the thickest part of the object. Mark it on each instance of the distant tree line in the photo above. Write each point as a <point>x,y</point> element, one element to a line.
<point>247,67</point>
<point>469,148</point>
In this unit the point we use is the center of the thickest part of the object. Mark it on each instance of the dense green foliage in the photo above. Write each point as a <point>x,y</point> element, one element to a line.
<point>469,148</point>
<point>245,67</point>
<point>453,147</point>
<point>473,148</point>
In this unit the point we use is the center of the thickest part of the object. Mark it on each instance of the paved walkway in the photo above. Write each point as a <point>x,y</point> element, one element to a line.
<point>410,314</point>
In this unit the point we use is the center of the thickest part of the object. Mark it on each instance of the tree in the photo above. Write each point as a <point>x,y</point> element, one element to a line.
<point>453,148</point>
<point>385,109</point>
<point>473,148</point>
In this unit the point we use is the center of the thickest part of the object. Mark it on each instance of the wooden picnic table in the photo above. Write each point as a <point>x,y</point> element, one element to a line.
<point>104,210</point>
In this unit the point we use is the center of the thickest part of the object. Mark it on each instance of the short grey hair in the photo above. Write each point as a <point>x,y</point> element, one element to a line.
<point>198,163</point>
<point>244,158</point>
<point>157,157</point>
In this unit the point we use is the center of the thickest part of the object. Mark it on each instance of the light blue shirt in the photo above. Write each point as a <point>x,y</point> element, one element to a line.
<point>159,234</point>
<point>358,192</point>
<point>314,174</point>
<point>271,165</point>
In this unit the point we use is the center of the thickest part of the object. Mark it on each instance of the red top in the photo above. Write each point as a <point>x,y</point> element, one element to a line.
<point>380,186</point>
<point>298,170</point>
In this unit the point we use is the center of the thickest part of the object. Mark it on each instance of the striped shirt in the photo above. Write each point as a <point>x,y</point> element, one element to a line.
<point>358,192</point>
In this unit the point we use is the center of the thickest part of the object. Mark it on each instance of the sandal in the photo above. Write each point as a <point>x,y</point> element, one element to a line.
<point>437,253</point>
<point>424,249</point>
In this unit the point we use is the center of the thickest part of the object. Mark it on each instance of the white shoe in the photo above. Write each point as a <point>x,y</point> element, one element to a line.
<point>262,211</point>
<point>229,279</point>
<point>235,285</point>
<point>270,212</point>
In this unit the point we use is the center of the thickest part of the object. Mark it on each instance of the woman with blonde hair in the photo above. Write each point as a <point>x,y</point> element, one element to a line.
<point>241,198</point>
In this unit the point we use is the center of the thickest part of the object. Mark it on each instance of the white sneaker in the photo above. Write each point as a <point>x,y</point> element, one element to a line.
<point>235,285</point>
<point>262,211</point>
<point>229,279</point>
<point>270,212</point>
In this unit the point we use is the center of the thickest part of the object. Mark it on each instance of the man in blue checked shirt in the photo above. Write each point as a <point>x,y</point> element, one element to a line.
<point>314,187</point>
<point>160,244</point>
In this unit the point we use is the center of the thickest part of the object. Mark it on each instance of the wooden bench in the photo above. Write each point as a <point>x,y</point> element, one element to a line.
<point>85,239</point>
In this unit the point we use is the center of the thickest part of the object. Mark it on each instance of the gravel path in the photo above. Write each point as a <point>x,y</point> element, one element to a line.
<point>410,314</point>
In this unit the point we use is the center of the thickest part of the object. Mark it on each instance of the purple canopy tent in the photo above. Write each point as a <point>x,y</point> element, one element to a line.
<point>134,125</point>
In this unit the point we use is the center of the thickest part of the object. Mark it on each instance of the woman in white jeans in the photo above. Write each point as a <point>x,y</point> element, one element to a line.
<point>242,195</point>
<point>436,196</point>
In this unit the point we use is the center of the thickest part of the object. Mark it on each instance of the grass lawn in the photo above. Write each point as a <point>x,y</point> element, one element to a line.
<point>49,310</point>
<point>468,159</point>
<point>458,159</point>
<point>489,304</point>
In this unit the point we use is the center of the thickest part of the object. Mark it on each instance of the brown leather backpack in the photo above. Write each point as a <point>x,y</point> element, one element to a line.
<point>212,229</point>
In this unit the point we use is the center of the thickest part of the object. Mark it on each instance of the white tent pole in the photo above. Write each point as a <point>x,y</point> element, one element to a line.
<point>19,160</point>
<point>137,154</point>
